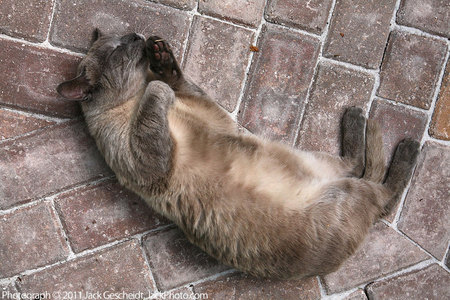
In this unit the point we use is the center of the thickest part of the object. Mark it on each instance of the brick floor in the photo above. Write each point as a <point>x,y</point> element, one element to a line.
<point>65,225</point>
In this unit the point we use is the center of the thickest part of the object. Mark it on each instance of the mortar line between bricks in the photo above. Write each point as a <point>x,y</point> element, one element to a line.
<point>429,113</point>
<point>189,34</point>
<point>416,31</point>
<point>51,22</point>
<point>63,227</point>
<point>86,253</point>
<point>322,39</point>
<point>431,257</point>
<point>43,46</point>
<point>208,278</point>
<point>404,105</point>
<point>30,133</point>
<point>256,38</point>
<point>36,115</point>
<point>147,263</point>
<point>51,196</point>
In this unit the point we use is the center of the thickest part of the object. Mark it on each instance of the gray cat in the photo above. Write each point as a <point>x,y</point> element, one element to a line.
<point>258,206</point>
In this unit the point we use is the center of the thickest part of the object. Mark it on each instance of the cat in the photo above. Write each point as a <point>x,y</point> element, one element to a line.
<point>258,206</point>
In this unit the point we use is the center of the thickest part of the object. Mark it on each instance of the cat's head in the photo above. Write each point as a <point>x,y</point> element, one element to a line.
<point>115,67</point>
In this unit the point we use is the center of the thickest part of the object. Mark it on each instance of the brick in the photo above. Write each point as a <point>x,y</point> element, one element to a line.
<point>181,4</point>
<point>96,215</point>
<point>384,251</point>
<point>440,124</point>
<point>26,19</point>
<point>278,83</point>
<point>247,12</point>
<point>118,269</point>
<point>424,217</point>
<point>16,124</point>
<point>335,89</point>
<point>359,30</point>
<point>33,75</point>
<point>356,295</point>
<point>175,261</point>
<point>75,20</point>
<point>429,15</point>
<point>29,238</point>
<point>240,287</point>
<point>217,59</point>
<point>311,16</point>
<point>429,283</point>
<point>48,162</point>
<point>410,69</point>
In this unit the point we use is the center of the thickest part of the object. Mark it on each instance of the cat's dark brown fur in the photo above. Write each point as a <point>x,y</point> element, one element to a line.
<point>256,205</point>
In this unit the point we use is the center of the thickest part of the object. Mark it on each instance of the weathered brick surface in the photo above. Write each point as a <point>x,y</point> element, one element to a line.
<point>47,162</point>
<point>175,261</point>
<point>278,83</point>
<point>33,75</point>
<point>98,214</point>
<point>308,15</point>
<point>384,251</point>
<point>359,31</point>
<point>15,124</point>
<point>425,214</point>
<point>410,68</point>
<point>247,12</point>
<point>182,4</point>
<point>217,59</point>
<point>429,283</point>
<point>121,268</point>
<point>335,89</point>
<point>75,20</point>
<point>240,287</point>
<point>29,238</point>
<point>429,15</point>
<point>6,290</point>
<point>412,125</point>
<point>356,295</point>
<point>26,19</point>
<point>440,124</point>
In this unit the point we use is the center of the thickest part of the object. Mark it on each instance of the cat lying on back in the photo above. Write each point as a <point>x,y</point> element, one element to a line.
<point>258,206</point>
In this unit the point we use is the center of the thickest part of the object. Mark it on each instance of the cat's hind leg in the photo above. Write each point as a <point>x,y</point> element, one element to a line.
<point>353,139</point>
<point>401,169</point>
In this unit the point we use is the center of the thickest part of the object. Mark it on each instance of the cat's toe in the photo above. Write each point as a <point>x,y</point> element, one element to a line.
<point>160,55</point>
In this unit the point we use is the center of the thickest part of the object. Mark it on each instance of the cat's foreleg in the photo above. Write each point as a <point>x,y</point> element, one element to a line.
<point>164,64</point>
<point>150,141</point>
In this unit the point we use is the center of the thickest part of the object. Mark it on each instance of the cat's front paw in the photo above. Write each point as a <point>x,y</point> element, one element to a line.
<point>162,60</point>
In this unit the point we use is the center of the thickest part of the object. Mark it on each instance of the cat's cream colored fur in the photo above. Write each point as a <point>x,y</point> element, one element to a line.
<point>256,205</point>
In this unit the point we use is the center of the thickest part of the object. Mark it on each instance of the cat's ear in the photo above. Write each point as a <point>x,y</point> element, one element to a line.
<point>96,34</point>
<point>77,89</point>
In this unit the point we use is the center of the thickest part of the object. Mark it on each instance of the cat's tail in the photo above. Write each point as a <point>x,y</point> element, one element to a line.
<point>375,168</point>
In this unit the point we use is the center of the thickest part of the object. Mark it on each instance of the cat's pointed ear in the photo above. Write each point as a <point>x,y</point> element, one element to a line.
<point>77,89</point>
<point>96,34</point>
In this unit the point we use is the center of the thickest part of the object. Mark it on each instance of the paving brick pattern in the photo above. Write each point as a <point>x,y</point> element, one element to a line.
<point>66,224</point>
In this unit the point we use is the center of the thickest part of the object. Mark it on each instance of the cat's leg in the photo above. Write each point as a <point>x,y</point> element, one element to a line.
<point>151,144</point>
<point>353,139</point>
<point>166,68</point>
<point>164,64</point>
<point>401,169</point>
